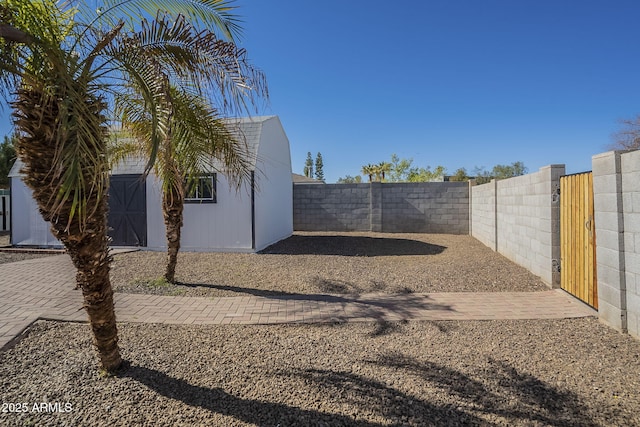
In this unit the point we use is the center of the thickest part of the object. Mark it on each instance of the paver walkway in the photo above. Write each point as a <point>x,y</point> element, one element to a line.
<point>44,289</point>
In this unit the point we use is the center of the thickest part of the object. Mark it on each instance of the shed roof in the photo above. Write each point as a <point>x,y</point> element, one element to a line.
<point>248,129</point>
<point>301,179</point>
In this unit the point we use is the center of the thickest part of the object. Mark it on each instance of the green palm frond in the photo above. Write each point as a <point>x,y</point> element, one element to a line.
<point>74,61</point>
<point>200,61</point>
<point>215,14</point>
<point>198,142</point>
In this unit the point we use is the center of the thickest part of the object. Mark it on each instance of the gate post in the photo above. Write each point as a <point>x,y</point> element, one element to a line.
<point>607,193</point>
<point>556,171</point>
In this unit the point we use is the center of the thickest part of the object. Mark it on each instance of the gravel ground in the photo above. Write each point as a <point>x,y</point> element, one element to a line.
<point>6,257</point>
<point>336,263</point>
<point>572,373</point>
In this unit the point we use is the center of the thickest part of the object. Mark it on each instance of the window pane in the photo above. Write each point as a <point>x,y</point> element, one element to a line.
<point>202,189</point>
<point>206,188</point>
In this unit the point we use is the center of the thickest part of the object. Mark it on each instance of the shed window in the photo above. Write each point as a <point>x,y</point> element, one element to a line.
<point>203,190</point>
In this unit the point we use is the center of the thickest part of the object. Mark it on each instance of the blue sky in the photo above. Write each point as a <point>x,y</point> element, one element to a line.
<point>448,82</point>
<point>451,82</point>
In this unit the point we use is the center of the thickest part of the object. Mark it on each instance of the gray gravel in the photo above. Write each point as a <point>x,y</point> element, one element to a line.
<point>6,257</point>
<point>534,373</point>
<point>335,263</point>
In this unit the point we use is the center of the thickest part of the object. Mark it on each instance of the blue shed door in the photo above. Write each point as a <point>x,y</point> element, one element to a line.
<point>127,210</point>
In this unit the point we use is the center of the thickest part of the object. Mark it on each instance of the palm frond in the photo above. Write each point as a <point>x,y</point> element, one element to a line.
<point>218,15</point>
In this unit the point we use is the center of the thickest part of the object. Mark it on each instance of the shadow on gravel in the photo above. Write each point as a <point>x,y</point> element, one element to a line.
<point>365,395</point>
<point>518,397</point>
<point>216,400</point>
<point>368,395</point>
<point>351,246</point>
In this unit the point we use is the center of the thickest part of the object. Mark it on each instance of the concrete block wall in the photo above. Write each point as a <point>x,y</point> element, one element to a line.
<point>528,218</point>
<point>630,169</point>
<point>610,248</point>
<point>520,218</point>
<point>483,214</point>
<point>616,187</point>
<point>429,207</point>
<point>331,207</point>
<point>441,207</point>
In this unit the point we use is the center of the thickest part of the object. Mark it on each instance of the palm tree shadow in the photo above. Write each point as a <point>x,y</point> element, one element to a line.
<point>351,246</point>
<point>379,307</point>
<point>537,401</point>
<point>394,405</point>
<point>216,400</point>
<point>365,394</point>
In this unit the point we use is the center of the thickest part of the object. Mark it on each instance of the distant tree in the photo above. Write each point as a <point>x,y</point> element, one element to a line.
<point>348,179</point>
<point>628,137</point>
<point>399,169</point>
<point>508,171</point>
<point>369,170</point>
<point>7,158</point>
<point>319,171</point>
<point>426,174</point>
<point>383,168</point>
<point>482,176</point>
<point>500,172</point>
<point>308,166</point>
<point>460,175</point>
<point>377,172</point>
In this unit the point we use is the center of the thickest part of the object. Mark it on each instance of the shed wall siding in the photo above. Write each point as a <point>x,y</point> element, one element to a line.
<point>274,192</point>
<point>220,226</point>
<point>28,227</point>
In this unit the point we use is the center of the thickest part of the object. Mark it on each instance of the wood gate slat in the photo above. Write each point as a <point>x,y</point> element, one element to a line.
<point>577,237</point>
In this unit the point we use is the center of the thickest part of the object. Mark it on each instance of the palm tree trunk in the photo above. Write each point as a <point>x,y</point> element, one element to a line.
<point>89,252</point>
<point>84,237</point>
<point>172,209</point>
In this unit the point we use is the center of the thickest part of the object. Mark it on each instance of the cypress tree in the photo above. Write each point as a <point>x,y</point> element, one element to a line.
<point>319,171</point>
<point>308,166</point>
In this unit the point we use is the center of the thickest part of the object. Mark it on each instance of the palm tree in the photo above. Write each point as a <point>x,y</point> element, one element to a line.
<point>197,142</point>
<point>194,141</point>
<point>383,168</point>
<point>369,170</point>
<point>61,63</point>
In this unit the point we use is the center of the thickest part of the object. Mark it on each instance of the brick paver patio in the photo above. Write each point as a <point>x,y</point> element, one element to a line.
<point>44,289</point>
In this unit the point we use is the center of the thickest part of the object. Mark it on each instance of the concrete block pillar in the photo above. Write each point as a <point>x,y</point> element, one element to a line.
<point>375,206</point>
<point>555,173</point>
<point>494,183</point>
<point>610,256</point>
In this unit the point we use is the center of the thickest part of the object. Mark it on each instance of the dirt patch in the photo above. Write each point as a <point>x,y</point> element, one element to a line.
<point>336,263</point>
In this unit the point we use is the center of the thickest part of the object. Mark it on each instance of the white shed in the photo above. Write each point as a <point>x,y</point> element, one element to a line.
<point>257,215</point>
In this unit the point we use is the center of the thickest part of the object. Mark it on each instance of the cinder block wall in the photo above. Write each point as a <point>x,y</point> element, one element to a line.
<point>616,188</point>
<point>483,214</point>
<point>609,222</point>
<point>431,207</point>
<point>630,163</point>
<point>520,218</point>
<point>331,207</point>
<point>528,211</point>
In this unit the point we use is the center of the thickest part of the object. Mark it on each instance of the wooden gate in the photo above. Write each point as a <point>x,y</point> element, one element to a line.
<point>578,238</point>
